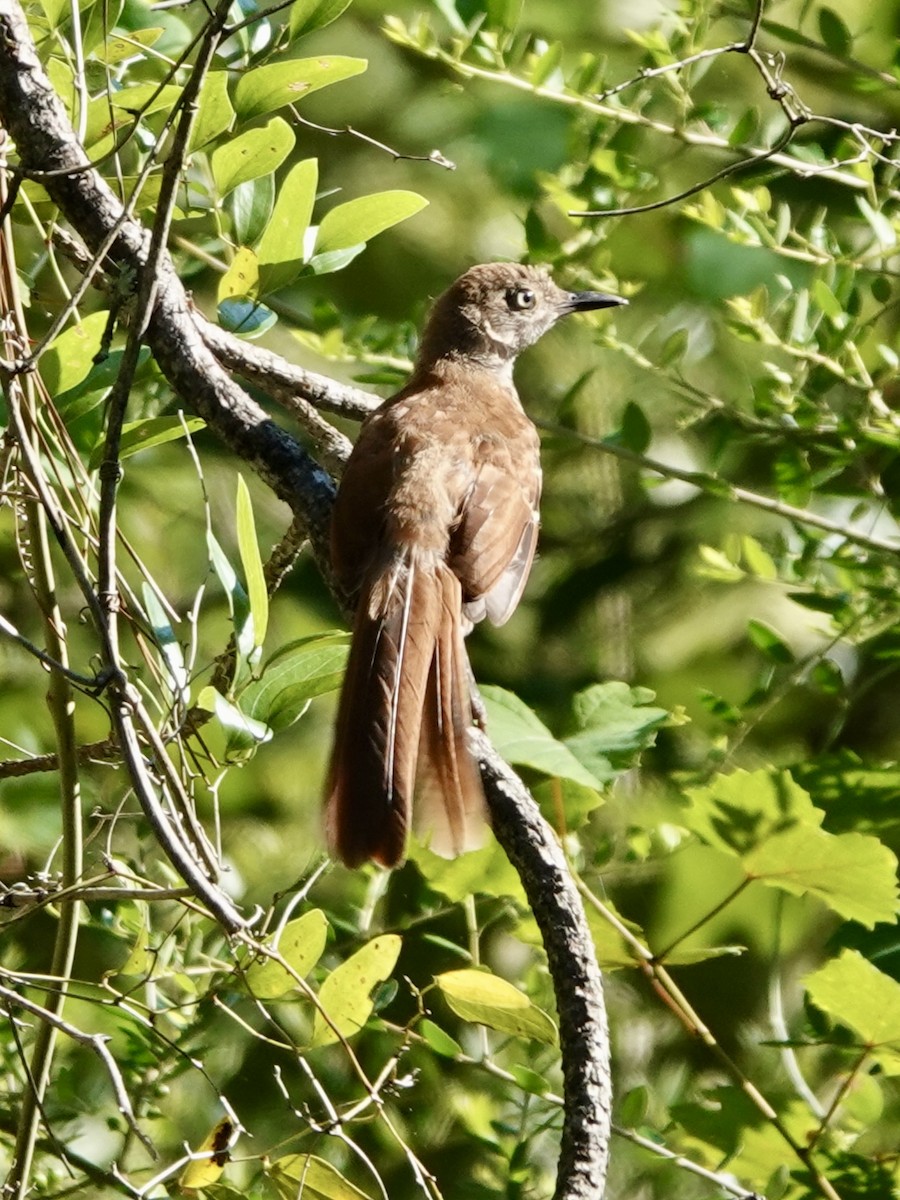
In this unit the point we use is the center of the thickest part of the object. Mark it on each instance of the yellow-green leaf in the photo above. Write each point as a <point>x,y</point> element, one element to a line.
<point>488,1000</point>
<point>359,220</point>
<point>280,249</point>
<point>252,563</point>
<point>242,276</point>
<point>307,15</point>
<point>313,1178</point>
<point>143,435</point>
<point>853,873</point>
<point>214,111</point>
<point>267,88</point>
<point>69,357</point>
<point>854,992</point>
<point>252,154</point>
<point>344,996</point>
<point>212,1155</point>
<point>300,944</point>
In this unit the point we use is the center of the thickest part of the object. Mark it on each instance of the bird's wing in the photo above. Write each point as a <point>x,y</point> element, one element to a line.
<point>493,546</point>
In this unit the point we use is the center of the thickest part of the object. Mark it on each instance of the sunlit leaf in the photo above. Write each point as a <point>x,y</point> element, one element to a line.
<point>214,111</point>
<point>742,810</point>
<point>251,154</point>
<point>522,738</point>
<point>264,89</point>
<point>357,221</point>
<point>244,734</point>
<point>212,1157</point>
<point>299,671</point>
<point>615,723</point>
<point>281,247</point>
<point>487,999</point>
<point>303,1175</point>
<point>345,994</point>
<point>242,276</point>
<point>70,357</point>
<point>144,435</point>
<point>307,15</point>
<point>251,561</point>
<point>854,874</point>
<point>301,944</point>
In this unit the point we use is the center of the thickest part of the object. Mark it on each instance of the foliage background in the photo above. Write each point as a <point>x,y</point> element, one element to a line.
<point>759,352</point>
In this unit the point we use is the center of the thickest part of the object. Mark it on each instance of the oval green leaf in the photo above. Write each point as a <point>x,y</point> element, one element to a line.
<point>488,1000</point>
<point>300,944</point>
<point>312,1178</point>
<point>251,154</point>
<point>344,996</point>
<point>359,220</point>
<point>267,88</point>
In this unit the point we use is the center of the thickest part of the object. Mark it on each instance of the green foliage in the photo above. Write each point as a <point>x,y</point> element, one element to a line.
<point>700,685</point>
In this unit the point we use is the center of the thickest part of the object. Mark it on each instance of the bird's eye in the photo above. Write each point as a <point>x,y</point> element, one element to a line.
<point>520,299</point>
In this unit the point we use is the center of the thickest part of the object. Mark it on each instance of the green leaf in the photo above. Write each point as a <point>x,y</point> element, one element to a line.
<point>238,603</point>
<point>251,154</point>
<point>252,563</point>
<point>144,435</point>
<point>357,221</point>
<point>281,247</point>
<point>169,646</point>
<point>486,999</point>
<point>635,431</point>
<point>241,279</point>
<point>740,811</point>
<point>546,64</point>
<point>827,301</point>
<point>118,48</point>
<point>251,205</point>
<point>297,1175</point>
<point>745,128</point>
<point>486,871</point>
<point>522,738</point>
<point>244,735</point>
<point>245,316</point>
<point>834,32</point>
<point>267,88</point>
<point>530,1081</point>
<point>615,723</point>
<point>214,110</point>
<point>69,358</point>
<point>300,671</point>
<point>344,996</point>
<point>439,1041</point>
<point>334,260</point>
<point>92,390</point>
<point>853,873</point>
<point>301,944</point>
<point>854,992</point>
<point>307,15</point>
<point>769,643</point>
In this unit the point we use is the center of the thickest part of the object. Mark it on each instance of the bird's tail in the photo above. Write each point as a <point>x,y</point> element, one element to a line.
<point>405,701</point>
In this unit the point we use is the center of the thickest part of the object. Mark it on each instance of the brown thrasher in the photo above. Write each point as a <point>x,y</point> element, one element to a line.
<point>434,528</point>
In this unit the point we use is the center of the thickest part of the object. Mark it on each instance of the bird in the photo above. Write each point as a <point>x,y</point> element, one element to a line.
<point>434,528</point>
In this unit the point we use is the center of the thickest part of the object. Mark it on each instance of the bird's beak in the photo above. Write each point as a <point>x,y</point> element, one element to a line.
<point>585,301</point>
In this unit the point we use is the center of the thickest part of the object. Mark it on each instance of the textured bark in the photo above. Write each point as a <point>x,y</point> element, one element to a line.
<point>535,852</point>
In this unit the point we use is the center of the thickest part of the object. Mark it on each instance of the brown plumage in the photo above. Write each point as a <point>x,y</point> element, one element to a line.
<point>435,526</point>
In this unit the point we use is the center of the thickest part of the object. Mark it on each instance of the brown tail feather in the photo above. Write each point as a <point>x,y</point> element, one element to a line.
<point>450,801</point>
<point>373,765</point>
